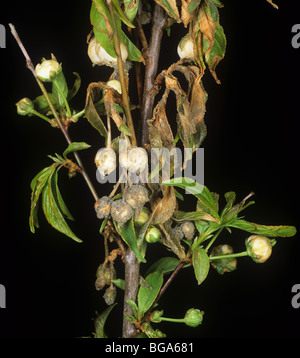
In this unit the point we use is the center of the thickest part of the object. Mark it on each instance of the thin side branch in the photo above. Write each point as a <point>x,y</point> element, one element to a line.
<point>30,66</point>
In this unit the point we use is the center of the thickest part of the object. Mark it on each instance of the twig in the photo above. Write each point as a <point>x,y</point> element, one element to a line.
<point>152,55</point>
<point>30,66</point>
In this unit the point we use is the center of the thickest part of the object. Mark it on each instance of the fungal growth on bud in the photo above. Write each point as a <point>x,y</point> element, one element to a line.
<point>104,276</point>
<point>136,196</point>
<point>177,233</point>
<point>24,106</point>
<point>188,229</point>
<point>135,160</point>
<point>152,235</point>
<point>224,264</point>
<point>102,207</point>
<point>110,295</point>
<point>259,247</point>
<point>100,57</point>
<point>193,317</point>
<point>48,70</point>
<point>121,212</point>
<point>106,161</point>
<point>115,84</point>
<point>185,48</point>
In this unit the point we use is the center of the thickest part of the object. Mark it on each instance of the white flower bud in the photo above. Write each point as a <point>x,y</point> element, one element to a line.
<point>115,84</point>
<point>47,70</point>
<point>259,248</point>
<point>100,57</point>
<point>185,48</point>
<point>135,160</point>
<point>106,161</point>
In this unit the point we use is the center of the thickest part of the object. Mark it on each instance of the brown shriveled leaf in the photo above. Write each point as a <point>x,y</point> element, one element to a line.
<point>163,208</point>
<point>186,16</point>
<point>110,98</point>
<point>171,8</point>
<point>94,93</point>
<point>207,27</point>
<point>173,244</point>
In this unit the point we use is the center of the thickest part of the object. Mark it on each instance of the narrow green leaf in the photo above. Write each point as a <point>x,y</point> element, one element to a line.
<point>74,147</point>
<point>147,296</point>
<point>270,231</point>
<point>61,93</point>
<point>200,264</point>
<point>193,5</point>
<point>119,12</point>
<point>52,212</point>
<point>100,322</point>
<point>127,233</point>
<point>59,198</point>
<point>119,283</point>
<point>37,185</point>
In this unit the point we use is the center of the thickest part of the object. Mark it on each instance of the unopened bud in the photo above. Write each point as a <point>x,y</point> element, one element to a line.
<point>193,317</point>
<point>115,84</point>
<point>152,235</point>
<point>143,217</point>
<point>100,57</point>
<point>259,247</point>
<point>106,161</point>
<point>48,70</point>
<point>185,48</point>
<point>225,264</point>
<point>24,106</point>
<point>135,160</point>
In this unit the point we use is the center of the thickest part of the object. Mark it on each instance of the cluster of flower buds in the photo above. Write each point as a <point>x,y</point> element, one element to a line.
<point>100,57</point>
<point>259,247</point>
<point>224,264</point>
<point>184,230</point>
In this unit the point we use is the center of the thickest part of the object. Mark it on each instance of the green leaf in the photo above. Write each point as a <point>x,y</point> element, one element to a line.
<point>119,13</point>
<point>59,198</point>
<point>134,307</point>
<point>127,233</point>
<point>147,296</point>
<point>200,264</point>
<point>191,216</point>
<point>164,265</point>
<point>198,190</point>
<point>119,283</point>
<point>270,231</point>
<point>131,8</point>
<point>53,213</point>
<point>60,89</point>
<point>41,104</point>
<point>77,83</point>
<point>193,5</point>
<point>37,186</point>
<point>74,147</point>
<point>100,322</point>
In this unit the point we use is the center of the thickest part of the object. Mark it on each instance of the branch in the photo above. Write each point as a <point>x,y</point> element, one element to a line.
<point>152,56</point>
<point>30,66</point>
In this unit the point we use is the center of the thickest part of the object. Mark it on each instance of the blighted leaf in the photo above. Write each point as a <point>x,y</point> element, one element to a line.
<point>270,231</point>
<point>53,213</point>
<point>94,93</point>
<point>59,198</point>
<point>200,264</point>
<point>75,146</point>
<point>119,13</point>
<point>131,8</point>
<point>181,216</point>
<point>187,10</point>
<point>171,8</point>
<point>163,208</point>
<point>100,322</point>
<point>147,296</point>
<point>127,233</point>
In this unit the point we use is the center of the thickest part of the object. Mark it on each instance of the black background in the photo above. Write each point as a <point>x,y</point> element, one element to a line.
<point>252,145</point>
